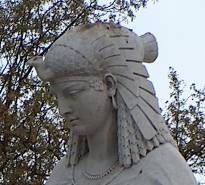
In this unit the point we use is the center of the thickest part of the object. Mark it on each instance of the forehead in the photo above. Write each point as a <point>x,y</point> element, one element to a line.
<point>75,81</point>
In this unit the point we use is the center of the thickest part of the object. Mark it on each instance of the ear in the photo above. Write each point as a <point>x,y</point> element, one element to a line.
<point>111,82</point>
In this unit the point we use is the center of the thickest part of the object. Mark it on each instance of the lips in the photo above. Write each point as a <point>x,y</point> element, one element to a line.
<point>73,121</point>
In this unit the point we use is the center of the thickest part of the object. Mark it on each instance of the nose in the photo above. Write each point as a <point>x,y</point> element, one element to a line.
<point>65,111</point>
<point>64,108</point>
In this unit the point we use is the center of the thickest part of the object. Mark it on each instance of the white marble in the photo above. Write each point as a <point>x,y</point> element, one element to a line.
<point>118,136</point>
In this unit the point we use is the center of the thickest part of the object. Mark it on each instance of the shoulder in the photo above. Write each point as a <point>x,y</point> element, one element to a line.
<point>61,174</point>
<point>166,166</point>
<point>162,166</point>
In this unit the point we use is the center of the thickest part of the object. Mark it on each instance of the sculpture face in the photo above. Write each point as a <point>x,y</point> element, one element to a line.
<point>84,104</point>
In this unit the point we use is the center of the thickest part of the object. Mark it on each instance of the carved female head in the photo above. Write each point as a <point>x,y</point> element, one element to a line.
<point>84,101</point>
<point>104,51</point>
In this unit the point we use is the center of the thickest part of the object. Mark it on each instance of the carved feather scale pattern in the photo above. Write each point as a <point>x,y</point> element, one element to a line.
<point>138,95</point>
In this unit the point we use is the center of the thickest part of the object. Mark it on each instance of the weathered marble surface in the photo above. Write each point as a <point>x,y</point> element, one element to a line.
<point>163,166</point>
<point>97,74</point>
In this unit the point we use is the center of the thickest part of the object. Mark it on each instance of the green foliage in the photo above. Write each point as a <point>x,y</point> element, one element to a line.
<point>32,135</point>
<point>185,117</point>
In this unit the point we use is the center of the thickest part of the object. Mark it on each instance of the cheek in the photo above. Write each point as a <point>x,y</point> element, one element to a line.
<point>93,105</point>
<point>101,109</point>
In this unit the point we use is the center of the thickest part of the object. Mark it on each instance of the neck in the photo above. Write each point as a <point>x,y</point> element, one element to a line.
<point>103,146</point>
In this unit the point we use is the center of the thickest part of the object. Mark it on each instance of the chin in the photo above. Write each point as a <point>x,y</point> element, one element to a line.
<point>79,131</point>
<point>83,132</point>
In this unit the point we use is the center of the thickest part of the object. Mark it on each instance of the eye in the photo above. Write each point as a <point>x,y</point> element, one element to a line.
<point>72,92</point>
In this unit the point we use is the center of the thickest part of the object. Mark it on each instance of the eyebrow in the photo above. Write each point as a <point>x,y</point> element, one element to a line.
<point>55,87</point>
<point>73,86</point>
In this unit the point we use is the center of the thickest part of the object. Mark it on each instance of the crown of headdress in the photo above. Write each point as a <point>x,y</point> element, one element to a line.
<point>91,49</point>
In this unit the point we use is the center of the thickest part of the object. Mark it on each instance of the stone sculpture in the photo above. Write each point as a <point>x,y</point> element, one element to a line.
<point>118,136</point>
